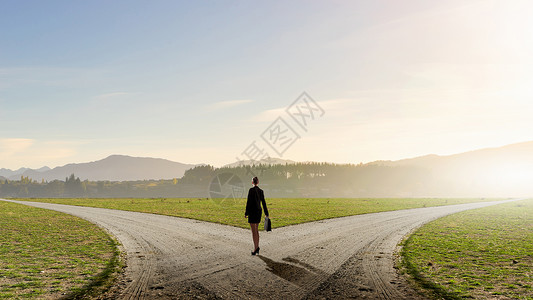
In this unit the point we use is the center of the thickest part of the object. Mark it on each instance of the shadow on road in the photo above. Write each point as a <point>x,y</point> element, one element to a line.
<point>288,270</point>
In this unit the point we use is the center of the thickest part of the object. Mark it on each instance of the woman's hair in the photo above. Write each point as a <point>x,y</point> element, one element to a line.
<point>255,180</point>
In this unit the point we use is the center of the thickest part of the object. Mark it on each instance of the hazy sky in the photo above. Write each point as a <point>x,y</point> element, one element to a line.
<point>200,81</point>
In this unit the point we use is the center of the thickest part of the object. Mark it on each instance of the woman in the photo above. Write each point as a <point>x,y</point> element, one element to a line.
<point>253,211</point>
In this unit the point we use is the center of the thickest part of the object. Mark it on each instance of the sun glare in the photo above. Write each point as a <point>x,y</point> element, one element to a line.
<point>512,177</point>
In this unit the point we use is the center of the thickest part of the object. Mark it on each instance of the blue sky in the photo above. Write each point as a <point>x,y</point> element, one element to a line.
<point>199,81</point>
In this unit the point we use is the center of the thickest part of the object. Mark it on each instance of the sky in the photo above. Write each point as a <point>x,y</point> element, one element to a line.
<point>219,81</point>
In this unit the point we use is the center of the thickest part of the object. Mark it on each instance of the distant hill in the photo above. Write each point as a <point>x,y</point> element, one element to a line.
<point>113,168</point>
<point>495,171</point>
<point>521,153</point>
<point>9,173</point>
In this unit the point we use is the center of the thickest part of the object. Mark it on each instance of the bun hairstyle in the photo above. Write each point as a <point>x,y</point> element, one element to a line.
<point>255,180</point>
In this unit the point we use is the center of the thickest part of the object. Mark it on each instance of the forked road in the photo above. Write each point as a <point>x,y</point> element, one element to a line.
<point>170,257</point>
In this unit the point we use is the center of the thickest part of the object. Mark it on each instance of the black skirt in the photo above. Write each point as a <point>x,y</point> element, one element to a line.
<point>254,218</point>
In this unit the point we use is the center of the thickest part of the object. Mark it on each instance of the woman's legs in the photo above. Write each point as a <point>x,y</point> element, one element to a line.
<point>255,234</point>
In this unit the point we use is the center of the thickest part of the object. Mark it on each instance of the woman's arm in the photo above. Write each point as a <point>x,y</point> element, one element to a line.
<point>264,203</point>
<point>248,204</point>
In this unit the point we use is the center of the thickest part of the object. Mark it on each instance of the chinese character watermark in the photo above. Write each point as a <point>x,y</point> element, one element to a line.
<point>254,153</point>
<point>279,136</point>
<point>225,188</point>
<point>304,109</point>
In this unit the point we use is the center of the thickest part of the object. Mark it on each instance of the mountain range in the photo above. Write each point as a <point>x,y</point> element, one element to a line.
<point>506,170</point>
<point>7,173</point>
<point>112,168</point>
<point>119,168</point>
<point>520,153</point>
<point>511,164</point>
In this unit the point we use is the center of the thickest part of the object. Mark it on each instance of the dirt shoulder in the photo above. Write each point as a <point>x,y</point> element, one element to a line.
<point>350,257</point>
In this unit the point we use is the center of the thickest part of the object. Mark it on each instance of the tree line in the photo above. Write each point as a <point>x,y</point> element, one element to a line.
<point>282,180</point>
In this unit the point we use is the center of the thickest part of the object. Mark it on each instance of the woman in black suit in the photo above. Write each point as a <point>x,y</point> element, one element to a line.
<point>253,211</point>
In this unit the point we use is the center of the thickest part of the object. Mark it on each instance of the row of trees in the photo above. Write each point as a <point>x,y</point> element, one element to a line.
<point>283,180</point>
<point>26,187</point>
<point>325,179</point>
<point>76,188</point>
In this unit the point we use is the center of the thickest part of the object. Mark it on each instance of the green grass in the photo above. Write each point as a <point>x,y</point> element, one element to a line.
<point>284,211</point>
<point>482,253</point>
<point>47,254</point>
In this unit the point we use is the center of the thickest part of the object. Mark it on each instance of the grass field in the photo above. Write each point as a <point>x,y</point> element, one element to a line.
<point>47,254</point>
<point>283,211</point>
<point>483,253</point>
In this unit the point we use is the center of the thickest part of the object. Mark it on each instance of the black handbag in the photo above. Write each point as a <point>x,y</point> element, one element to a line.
<point>268,224</point>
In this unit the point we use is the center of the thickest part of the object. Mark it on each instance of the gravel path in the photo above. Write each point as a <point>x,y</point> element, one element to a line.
<point>350,257</point>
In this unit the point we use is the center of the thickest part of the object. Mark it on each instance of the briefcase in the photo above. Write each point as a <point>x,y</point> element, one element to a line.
<point>268,224</point>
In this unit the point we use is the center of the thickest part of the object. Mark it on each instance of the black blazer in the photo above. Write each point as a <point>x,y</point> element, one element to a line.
<point>253,205</point>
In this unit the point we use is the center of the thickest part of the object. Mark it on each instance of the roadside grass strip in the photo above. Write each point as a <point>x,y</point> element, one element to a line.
<point>284,211</point>
<point>485,253</point>
<point>48,255</point>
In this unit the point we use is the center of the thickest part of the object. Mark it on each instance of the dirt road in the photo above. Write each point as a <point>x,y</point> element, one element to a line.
<point>350,257</point>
